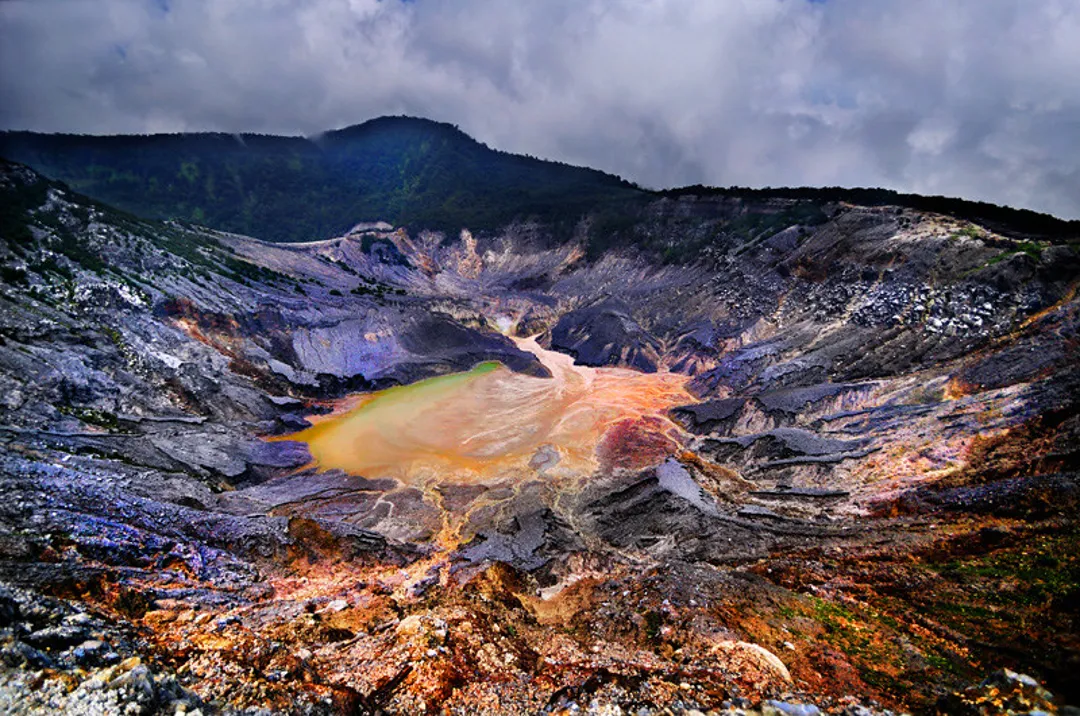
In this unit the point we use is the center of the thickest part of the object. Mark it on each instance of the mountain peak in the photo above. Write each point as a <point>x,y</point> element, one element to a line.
<point>396,123</point>
<point>405,170</point>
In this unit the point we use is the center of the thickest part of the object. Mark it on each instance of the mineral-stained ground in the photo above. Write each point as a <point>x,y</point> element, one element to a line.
<point>835,468</point>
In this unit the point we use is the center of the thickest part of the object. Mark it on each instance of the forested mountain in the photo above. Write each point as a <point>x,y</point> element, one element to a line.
<point>407,171</point>
<point>414,173</point>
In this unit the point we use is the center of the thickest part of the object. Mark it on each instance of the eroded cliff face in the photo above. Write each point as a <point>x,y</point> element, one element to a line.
<point>831,464</point>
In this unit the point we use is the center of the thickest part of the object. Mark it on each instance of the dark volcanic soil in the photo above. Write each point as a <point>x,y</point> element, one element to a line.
<point>867,503</point>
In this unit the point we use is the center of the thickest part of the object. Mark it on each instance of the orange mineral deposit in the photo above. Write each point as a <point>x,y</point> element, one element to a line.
<point>490,423</point>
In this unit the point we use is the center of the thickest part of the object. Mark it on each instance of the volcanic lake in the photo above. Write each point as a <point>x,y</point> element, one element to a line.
<point>490,423</point>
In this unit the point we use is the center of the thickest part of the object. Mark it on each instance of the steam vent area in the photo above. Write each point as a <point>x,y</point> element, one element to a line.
<point>730,454</point>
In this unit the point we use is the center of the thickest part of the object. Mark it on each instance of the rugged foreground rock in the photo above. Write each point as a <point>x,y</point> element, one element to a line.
<point>868,505</point>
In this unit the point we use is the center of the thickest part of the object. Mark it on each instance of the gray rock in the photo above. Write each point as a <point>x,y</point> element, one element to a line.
<point>783,708</point>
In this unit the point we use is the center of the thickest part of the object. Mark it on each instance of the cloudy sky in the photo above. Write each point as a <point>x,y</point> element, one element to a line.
<point>973,98</point>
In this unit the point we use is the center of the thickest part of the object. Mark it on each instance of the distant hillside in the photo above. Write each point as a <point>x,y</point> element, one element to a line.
<point>1018,223</point>
<point>407,171</point>
<point>415,173</point>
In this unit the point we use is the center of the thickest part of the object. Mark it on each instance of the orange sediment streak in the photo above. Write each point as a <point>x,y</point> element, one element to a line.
<point>485,425</point>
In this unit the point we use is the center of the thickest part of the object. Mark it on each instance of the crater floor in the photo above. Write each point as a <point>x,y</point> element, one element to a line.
<point>761,455</point>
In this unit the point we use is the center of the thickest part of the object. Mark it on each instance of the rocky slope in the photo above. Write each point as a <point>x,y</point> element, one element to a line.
<point>869,503</point>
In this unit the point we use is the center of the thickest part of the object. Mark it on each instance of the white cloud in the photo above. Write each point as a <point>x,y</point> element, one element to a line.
<point>976,98</point>
<point>932,135</point>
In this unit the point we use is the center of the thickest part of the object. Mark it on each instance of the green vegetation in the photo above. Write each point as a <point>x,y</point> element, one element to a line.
<point>91,416</point>
<point>410,172</point>
<point>1029,248</point>
<point>70,246</point>
<point>14,208</point>
<point>1043,571</point>
<point>25,205</point>
<point>369,287</point>
<point>115,337</point>
<point>423,175</point>
<point>22,208</point>
<point>970,231</point>
<point>193,246</point>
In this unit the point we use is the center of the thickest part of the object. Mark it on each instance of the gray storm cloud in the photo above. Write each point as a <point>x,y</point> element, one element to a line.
<point>973,98</point>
